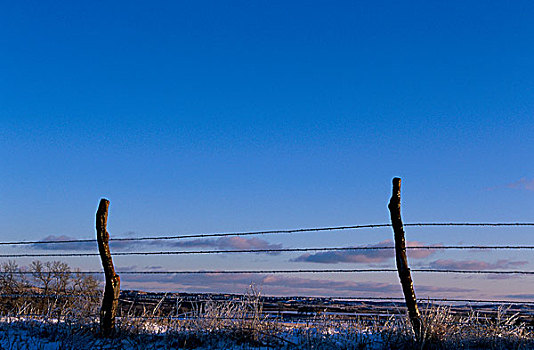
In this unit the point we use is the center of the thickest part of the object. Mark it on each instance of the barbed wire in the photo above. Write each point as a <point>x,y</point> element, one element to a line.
<point>263,317</point>
<point>482,224</point>
<point>203,235</point>
<point>195,317</point>
<point>301,319</point>
<point>248,233</point>
<point>420,299</point>
<point>280,250</point>
<point>497,272</point>
<point>240,301</point>
<point>215,272</point>
<point>51,315</point>
<point>51,296</point>
<point>266,318</point>
<point>243,298</point>
<point>329,299</point>
<point>273,250</point>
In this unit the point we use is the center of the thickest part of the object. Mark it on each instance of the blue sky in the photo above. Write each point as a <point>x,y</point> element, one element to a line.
<point>208,116</point>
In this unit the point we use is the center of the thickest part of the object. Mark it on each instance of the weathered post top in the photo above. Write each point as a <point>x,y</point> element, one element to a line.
<point>102,217</point>
<point>396,193</point>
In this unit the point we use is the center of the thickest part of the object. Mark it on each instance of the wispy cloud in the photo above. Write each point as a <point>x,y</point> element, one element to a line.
<point>364,256</point>
<point>475,264</point>
<point>63,246</point>
<point>229,243</point>
<point>529,297</point>
<point>522,184</point>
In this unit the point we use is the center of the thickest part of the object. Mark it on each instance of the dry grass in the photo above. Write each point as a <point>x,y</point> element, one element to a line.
<point>243,325</point>
<point>444,329</point>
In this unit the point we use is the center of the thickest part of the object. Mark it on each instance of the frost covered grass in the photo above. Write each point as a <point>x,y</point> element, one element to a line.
<point>21,333</point>
<point>503,330</point>
<point>243,325</point>
<point>54,308</point>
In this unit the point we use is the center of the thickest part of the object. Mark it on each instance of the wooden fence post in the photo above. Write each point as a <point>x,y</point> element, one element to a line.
<point>402,262</point>
<point>112,289</point>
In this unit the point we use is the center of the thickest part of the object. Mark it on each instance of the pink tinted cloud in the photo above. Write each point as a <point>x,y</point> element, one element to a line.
<point>365,256</point>
<point>420,253</point>
<point>522,184</point>
<point>228,243</point>
<point>475,264</point>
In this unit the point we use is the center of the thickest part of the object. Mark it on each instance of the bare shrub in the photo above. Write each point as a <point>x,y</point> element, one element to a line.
<point>12,286</point>
<point>52,289</point>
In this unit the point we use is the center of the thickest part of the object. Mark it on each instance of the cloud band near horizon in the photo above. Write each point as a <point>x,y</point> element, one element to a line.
<point>365,256</point>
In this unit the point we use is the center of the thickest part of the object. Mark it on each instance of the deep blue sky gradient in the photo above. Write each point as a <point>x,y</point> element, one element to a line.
<point>219,116</point>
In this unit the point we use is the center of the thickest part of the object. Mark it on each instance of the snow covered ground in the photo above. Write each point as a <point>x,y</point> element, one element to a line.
<point>52,334</point>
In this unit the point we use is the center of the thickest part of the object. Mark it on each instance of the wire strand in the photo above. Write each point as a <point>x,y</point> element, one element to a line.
<point>242,298</point>
<point>274,250</point>
<point>248,233</point>
<point>215,272</point>
<point>202,235</point>
<point>51,296</point>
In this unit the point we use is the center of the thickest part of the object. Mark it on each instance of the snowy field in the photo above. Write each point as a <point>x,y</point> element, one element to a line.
<point>20,333</point>
<point>239,333</point>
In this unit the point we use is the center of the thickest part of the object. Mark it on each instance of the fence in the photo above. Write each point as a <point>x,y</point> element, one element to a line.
<point>111,294</point>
